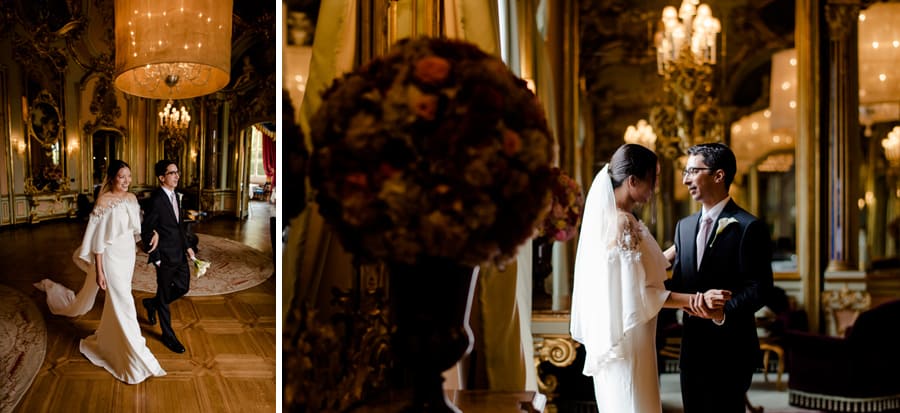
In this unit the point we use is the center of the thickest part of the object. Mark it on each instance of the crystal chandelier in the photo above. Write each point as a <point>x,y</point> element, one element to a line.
<point>174,122</point>
<point>172,49</point>
<point>891,145</point>
<point>641,134</point>
<point>686,53</point>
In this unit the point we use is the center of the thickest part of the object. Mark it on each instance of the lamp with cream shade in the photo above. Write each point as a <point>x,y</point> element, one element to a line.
<point>172,49</point>
<point>879,63</point>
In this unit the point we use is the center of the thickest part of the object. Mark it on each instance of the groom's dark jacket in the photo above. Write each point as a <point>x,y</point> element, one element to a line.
<point>173,240</point>
<point>738,258</point>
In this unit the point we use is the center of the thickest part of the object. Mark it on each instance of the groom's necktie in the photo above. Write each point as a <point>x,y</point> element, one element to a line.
<point>174,204</point>
<point>702,237</point>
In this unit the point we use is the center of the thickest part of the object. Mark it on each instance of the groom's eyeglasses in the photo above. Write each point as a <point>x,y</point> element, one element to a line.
<point>693,171</point>
<point>173,173</point>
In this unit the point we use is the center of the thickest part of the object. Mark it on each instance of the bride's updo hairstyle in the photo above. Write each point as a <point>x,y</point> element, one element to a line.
<point>114,166</point>
<point>632,159</point>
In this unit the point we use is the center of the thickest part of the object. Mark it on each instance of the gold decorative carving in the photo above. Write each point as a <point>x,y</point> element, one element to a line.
<point>45,145</point>
<point>558,350</point>
<point>843,306</point>
<point>841,16</point>
<point>105,106</point>
<point>331,365</point>
<point>252,90</point>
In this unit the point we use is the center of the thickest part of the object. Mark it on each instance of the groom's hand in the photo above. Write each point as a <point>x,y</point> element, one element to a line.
<point>699,307</point>
<point>153,242</point>
<point>715,299</point>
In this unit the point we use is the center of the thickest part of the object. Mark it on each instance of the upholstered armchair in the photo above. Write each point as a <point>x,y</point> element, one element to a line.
<point>856,373</point>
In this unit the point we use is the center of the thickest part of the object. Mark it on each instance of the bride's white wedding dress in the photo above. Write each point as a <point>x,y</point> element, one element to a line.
<point>618,292</point>
<point>117,345</point>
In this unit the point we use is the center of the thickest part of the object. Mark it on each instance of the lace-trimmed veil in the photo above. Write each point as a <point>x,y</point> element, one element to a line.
<point>590,313</point>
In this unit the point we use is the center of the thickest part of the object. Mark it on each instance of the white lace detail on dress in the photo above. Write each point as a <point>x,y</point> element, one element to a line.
<point>106,224</point>
<point>100,211</point>
<point>628,239</point>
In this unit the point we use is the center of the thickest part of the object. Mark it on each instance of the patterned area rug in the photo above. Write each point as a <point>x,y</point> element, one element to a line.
<point>233,267</point>
<point>23,344</point>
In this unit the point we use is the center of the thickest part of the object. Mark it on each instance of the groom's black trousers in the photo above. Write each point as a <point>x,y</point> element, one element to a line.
<point>172,281</point>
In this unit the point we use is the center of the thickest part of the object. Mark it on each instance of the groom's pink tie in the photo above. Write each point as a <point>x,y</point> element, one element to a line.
<point>174,204</point>
<point>702,237</point>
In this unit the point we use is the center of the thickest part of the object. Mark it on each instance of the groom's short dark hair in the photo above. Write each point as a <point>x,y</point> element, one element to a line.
<point>717,156</point>
<point>160,167</point>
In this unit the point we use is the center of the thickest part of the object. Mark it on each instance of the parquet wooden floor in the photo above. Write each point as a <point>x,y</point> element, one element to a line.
<point>229,365</point>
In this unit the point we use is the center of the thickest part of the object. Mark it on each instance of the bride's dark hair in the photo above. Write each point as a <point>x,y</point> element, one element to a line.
<point>631,159</point>
<point>114,166</point>
<point>639,161</point>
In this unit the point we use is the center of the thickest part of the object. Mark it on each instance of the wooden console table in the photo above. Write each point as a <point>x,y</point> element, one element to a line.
<point>485,401</point>
<point>52,205</point>
<point>471,401</point>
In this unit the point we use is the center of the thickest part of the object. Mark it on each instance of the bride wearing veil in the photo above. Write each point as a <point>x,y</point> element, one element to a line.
<point>619,291</point>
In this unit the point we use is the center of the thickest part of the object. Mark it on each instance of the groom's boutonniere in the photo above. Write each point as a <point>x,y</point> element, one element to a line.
<point>723,222</point>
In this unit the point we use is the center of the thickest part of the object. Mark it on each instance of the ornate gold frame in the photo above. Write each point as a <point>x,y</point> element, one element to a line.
<point>50,116</point>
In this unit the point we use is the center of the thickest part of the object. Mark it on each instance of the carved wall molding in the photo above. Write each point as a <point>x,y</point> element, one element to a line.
<point>841,17</point>
<point>332,365</point>
<point>105,107</point>
<point>558,350</point>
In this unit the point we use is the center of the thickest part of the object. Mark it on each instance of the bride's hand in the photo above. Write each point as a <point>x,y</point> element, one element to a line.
<point>101,280</point>
<point>715,299</point>
<point>154,241</point>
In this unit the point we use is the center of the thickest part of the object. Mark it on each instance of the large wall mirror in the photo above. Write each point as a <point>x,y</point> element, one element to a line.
<point>777,191</point>
<point>105,145</point>
<point>46,171</point>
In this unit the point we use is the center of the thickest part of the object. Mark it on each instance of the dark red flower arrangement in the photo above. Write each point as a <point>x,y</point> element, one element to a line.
<point>433,150</point>
<point>561,224</point>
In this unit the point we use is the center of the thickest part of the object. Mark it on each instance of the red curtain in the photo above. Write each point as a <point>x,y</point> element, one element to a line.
<point>268,155</point>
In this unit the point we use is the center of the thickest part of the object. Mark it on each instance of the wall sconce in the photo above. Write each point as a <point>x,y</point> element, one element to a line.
<point>73,146</point>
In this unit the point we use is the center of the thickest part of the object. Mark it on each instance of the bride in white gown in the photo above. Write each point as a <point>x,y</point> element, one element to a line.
<point>107,255</point>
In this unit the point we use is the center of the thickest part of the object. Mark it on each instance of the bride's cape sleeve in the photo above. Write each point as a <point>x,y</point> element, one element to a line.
<point>103,229</point>
<point>612,293</point>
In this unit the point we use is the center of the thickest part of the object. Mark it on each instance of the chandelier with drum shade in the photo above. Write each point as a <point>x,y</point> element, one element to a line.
<point>686,55</point>
<point>172,49</point>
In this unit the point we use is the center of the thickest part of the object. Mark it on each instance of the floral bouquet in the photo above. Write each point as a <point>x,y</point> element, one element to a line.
<point>200,266</point>
<point>561,224</point>
<point>433,150</point>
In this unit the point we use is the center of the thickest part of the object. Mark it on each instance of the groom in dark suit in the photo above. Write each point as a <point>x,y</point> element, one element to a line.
<point>169,247</point>
<point>721,247</point>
